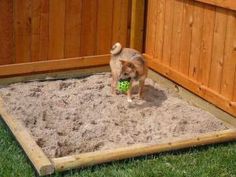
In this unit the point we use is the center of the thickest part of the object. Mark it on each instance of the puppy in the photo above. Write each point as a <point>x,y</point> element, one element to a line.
<point>127,63</point>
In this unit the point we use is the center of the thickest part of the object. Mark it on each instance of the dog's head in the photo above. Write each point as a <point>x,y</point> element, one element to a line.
<point>128,70</point>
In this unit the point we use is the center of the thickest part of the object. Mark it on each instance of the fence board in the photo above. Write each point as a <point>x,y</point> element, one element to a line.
<point>229,65</point>
<point>151,28</point>
<point>56,29</point>
<point>196,41</point>
<point>104,26</point>
<point>160,20</point>
<point>39,40</point>
<point>218,49</point>
<point>6,32</point>
<point>176,34</point>
<point>234,94</point>
<point>206,48</point>
<point>186,37</point>
<point>168,31</point>
<point>121,22</point>
<point>73,28</point>
<point>88,31</point>
<point>22,16</point>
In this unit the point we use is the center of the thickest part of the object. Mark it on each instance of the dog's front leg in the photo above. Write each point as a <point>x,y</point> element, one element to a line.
<point>129,93</point>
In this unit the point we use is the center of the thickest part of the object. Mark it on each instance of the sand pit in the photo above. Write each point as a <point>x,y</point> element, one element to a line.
<point>80,115</point>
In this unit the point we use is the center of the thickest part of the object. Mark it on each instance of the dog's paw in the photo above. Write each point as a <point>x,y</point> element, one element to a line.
<point>129,100</point>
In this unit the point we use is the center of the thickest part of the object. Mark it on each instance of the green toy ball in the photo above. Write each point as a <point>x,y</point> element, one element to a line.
<point>124,85</point>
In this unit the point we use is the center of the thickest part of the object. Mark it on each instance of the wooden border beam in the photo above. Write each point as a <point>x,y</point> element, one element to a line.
<point>53,65</point>
<point>87,159</point>
<point>227,4</point>
<point>40,161</point>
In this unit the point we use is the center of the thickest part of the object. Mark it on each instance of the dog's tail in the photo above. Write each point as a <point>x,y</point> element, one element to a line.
<point>116,48</point>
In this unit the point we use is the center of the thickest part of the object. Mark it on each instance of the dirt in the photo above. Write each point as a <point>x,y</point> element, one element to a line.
<point>81,115</point>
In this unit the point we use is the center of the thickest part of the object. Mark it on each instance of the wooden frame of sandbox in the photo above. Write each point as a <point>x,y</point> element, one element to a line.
<point>87,66</point>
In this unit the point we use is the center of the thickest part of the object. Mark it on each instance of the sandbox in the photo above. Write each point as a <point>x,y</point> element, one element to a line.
<point>78,122</point>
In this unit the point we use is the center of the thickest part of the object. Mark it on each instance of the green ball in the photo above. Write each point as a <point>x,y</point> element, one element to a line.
<point>124,85</point>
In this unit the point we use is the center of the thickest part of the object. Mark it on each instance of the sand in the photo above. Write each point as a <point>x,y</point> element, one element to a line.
<point>81,115</point>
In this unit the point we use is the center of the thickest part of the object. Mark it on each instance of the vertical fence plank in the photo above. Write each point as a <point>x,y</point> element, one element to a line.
<point>186,37</point>
<point>218,49</point>
<point>137,24</point>
<point>160,22</point>
<point>168,28</point>
<point>206,48</point>
<point>22,25</point>
<point>39,40</point>
<point>104,26</point>
<point>121,21</point>
<point>56,29</point>
<point>196,41</point>
<point>151,27</point>
<point>229,58</point>
<point>89,27</point>
<point>35,39</point>
<point>44,30</point>
<point>176,34</point>
<point>234,92</point>
<point>6,32</point>
<point>73,28</point>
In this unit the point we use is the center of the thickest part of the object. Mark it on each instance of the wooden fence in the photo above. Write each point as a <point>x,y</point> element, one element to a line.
<point>193,42</point>
<point>36,30</point>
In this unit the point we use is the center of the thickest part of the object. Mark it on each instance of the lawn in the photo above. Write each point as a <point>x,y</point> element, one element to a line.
<point>208,161</point>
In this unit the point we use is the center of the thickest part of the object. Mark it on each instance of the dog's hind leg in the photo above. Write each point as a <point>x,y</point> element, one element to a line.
<point>141,88</point>
<point>114,83</point>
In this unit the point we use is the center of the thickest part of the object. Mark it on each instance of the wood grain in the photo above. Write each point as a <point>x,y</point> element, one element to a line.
<point>159,37</point>
<point>40,30</point>
<point>176,34</point>
<point>218,49</point>
<point>89,28</point>
<point>168,28</point>
<point>186,37</point>
<point>104,26</point>
<point>121,22</point>
<point>228,4</point>
<point>196,42</point>
<point>56,29</point>
<point>137,24</point>
<point>229,65</point>
<point>206,48</point>
<point>151,27</point>
<point>22,16</point>
<point>6,32</point>
<point>53,65</point>
<point>73,18</point>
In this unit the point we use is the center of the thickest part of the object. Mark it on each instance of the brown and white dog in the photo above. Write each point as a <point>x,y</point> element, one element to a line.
<point>127,63</point>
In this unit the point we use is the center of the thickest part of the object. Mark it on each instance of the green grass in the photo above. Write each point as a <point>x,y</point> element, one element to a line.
<point>210,161</point>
